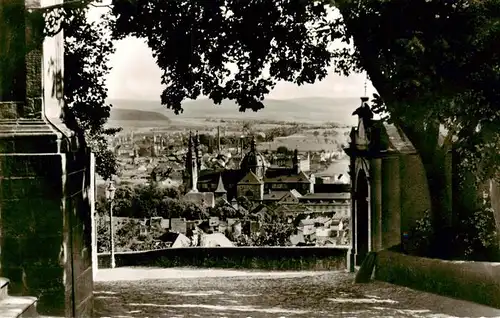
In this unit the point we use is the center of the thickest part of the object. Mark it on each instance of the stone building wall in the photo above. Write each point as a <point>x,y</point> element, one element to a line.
<point>45,204</point>
<point>45,230</point>
<point>415,198</point>
<point>391,202</point>
<point>78,200</point>
<point>34,239</point>
<point>256,189</point>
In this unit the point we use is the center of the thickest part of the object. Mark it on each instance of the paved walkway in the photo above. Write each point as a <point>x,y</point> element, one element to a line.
<point>183,292</point>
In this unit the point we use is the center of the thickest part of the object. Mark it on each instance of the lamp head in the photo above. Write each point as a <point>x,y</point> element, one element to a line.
<point>110,191</point>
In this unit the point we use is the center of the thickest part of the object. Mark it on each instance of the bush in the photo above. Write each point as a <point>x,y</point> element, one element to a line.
<point>476,237</point>
<point>273,234</point>
<point>102,236</point>
<point>419,239</point>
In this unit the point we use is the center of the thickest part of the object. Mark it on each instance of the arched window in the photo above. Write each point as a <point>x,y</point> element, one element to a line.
<point>249,193</point>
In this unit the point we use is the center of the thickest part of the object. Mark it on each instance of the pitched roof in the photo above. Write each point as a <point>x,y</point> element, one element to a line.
<point>292,208</point>
<point>275,195</point>
<point>326,196</point>
<point>295,193</point>
<point>169,237</point>
<point>251,178</point>
<point>220,186</point>
<point>300,177</point>
<point>280,195</point>
<point>211,176</point>
<point>273,172</point>
<point>215,240</point>
<point>397,140</point>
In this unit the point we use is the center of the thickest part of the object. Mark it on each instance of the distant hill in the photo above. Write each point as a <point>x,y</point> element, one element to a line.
<point>310,109</point>
<point>119,114</point>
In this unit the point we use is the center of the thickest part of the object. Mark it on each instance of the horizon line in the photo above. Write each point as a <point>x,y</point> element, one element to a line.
<point>207,98</point>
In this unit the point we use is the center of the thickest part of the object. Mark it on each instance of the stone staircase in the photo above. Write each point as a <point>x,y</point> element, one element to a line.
<point>13,306</point>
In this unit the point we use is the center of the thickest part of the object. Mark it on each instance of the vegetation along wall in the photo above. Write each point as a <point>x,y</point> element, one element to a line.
<point>269,258</point>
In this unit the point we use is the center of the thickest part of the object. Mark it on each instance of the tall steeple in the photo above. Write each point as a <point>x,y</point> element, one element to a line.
<point>253,144</point>
<point>220,192</point>
<point>192,165</point>
<point>197,150</point>
<point>153,147</point>
<point>218,139</point>
<point>135,156</point>
<point>189,153</point>
<point>296,161</point>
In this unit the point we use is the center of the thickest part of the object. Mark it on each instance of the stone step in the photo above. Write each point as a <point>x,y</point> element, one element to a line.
<point>4,288</point>
<point>18,307</point>
<point>15,307</point>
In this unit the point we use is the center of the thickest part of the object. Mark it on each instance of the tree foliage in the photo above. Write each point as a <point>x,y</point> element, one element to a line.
<point>87,47</point>
<point>478,236</point>
<point>152,201</point>
<point>245,203</point>
<point>225,211</point>
<point>127,235</point>
<point>433,63</point>
<point>161,172</point>
<point>195,43</point>
<point>103,234</point>
<point>274,234</point>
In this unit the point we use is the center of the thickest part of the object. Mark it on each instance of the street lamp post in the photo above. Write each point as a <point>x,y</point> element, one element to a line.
<point>110,195</point>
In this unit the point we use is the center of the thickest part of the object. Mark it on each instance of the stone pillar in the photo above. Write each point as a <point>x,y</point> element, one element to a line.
<point>12,44</point>
<point>362,216</point>
<point>45,212</point>
<point>351,256</point>
<point>376,204</point>
<point>391,204</point>
<point>92,196</point>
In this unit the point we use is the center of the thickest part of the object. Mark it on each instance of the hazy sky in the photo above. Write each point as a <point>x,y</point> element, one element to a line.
<point>135,75</point>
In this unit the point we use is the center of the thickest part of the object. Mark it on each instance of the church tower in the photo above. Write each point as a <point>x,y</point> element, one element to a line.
<point>135,156</point>
<point>220,192</point>
<point>296,162</point>
<point>197,150</point>
<point>254,161</point>
<point>153,147</point>
<point>191,166</point>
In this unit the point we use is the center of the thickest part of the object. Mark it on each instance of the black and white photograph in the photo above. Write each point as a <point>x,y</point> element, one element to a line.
<point>249,158</point>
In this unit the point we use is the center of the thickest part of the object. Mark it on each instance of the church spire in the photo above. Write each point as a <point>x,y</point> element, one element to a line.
<point>220,186</point>
<point>296,161</point>
<point>253,144</point>
<point>220,192</point>
<point>191,166</point>
<point>197,150</point>
<point>189,153</point>
<point>366,79</point>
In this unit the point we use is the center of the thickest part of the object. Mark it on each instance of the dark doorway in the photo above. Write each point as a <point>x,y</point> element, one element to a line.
<point>362,210</point>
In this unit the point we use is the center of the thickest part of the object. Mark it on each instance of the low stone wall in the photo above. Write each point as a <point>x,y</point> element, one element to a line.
<point>269,258</point>
<point>473,281</point>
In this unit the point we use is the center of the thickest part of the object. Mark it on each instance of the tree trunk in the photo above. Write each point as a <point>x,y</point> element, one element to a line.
<point>439,177</point>
<point>437,164</point>
<point>495,204</point>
